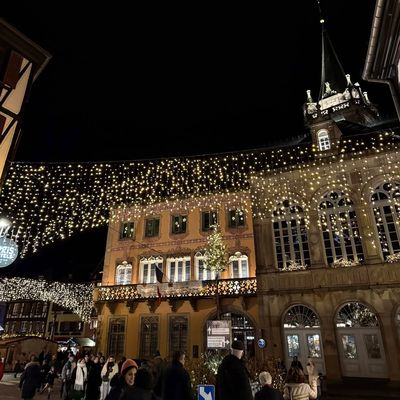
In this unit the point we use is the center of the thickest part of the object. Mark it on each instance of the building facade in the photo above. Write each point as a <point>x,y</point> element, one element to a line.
<point>136,321</point>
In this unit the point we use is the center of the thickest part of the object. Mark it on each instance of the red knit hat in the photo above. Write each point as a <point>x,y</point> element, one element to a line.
<point>127,365</point>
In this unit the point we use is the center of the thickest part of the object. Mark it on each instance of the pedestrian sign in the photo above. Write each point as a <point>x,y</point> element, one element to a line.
<point>219,334</point>
<point>205,392</point>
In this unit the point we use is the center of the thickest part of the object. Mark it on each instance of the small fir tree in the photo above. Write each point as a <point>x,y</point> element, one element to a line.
<point>216,257</point>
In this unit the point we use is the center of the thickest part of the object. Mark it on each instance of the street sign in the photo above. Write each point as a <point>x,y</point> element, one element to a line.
<point>219,334</point>
<point>8,251</point>
<point>206,392</point>
<point>261,343</point>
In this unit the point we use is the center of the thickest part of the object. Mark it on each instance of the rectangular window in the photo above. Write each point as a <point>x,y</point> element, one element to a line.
<point>179,269</point>
<point>208,218</point>
<point>148,336</point>
<point>152,227</point>
<point>178,334</point>
<point>179,223</point>
<point>127,230</point>
<point>236,218</point>
<point>116,337</point>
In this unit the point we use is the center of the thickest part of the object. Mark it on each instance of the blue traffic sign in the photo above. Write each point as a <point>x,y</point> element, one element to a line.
<point>206,392</point>
<point>261,343</point>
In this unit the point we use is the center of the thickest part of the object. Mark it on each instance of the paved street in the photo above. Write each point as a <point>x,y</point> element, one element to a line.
<point>9,389</point>
<point>355,391</point>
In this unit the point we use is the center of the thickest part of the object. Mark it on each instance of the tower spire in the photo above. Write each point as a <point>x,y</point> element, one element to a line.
<point>332,73</point>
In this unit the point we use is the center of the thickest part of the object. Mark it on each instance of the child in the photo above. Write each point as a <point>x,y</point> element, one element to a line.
<point>49,380</point>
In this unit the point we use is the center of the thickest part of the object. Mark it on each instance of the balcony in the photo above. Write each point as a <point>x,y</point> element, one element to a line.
<point>183,290</point>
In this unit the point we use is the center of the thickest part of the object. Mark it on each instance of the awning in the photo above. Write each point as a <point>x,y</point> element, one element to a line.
<point>84,342</point>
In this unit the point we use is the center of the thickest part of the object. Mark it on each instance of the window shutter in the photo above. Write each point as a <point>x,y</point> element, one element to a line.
<point>11,74</point>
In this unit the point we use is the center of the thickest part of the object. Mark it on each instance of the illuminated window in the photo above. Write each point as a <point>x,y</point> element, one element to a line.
<point>127,230</point>
<point>202,274</point>
<point>239,266</point>
<point>324,143</point>
<point>178,269</point>
<point>300,316</point>
<point>340,231</point>
<point>147,269</point>
<point>290,235</point>
<point>386,207</point>
<point>123,274</point>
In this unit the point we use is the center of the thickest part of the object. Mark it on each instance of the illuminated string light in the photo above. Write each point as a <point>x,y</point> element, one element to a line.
<point>50,202</point>
<point>76,297</point>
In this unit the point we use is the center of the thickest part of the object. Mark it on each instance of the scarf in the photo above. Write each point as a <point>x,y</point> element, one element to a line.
<point>81,373</point>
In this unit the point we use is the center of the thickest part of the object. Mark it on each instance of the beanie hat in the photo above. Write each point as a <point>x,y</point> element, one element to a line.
<point>127,365</point>
<point>238,345</point>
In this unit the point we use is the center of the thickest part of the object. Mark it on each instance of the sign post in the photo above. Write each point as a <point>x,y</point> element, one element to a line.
<point>219,334</point>
<point>205,392</point>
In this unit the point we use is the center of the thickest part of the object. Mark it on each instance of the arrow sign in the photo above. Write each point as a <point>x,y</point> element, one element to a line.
<point>206,392</point>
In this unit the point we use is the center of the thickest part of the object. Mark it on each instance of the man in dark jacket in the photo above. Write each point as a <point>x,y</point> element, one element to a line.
<point>267,392</point>
<point>176,380</point>
<point>30,379</point>
<point>233,378</point>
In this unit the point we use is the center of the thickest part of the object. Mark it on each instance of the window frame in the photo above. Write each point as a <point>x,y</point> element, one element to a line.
<point>130,228</point>
<point>239,260</point>
<point>151,262</point>
<point>212,219</point>
<point>179,224</point>
<point>324,141</point>
<point>127,269</point>
<point>199,274</point>
<point>152,223</point>
<point>235,215</point>
<point>175,276</point>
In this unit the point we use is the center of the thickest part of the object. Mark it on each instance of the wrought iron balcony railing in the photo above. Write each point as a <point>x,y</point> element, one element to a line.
<point>191,289</point>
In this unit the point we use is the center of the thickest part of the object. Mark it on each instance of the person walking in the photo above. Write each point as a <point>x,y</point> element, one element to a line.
<point>176,380</point>
<point>30,379</point>
<point>124,381</point>
<point>233,378</point>
<point>267,392</point>
<point>296,388</point>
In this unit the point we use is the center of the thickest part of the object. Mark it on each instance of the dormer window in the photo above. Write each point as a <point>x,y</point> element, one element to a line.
<point>324,142</point>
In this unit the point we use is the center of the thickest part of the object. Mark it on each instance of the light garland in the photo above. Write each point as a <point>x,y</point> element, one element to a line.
<point>49,202</point>
<point>294,266</point>
<point>341,262</point>
<point>75,297</point>
<point>393,258</point>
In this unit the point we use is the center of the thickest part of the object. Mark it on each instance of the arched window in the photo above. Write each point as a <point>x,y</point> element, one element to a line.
<point>242,329</point>
<point>201,273</point>
<point>356,315</point>
<point>324,143</point>
<point>300,316</point>
<point>147,269</point>
<point>290,234</point>
<point>178,269</point>
<point>340,229</point>
<point>386,206</point>
<point>123,275</point>
<point>239,266</point>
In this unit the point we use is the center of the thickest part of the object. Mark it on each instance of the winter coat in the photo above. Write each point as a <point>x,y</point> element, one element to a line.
<point>268,393</point>
<point>137,393</point>
<point>233,380</point>
<point>176,383</point>
<point>118,389</point>
<point>300,391</point>
<point>93,382</point>
<point>30,380</point>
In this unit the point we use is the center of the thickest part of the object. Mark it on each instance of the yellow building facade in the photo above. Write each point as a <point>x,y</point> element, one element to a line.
<point>136,321</point>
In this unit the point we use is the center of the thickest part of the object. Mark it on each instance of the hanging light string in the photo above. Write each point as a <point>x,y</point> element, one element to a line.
<point>49,202</point>
<point>77,297</point>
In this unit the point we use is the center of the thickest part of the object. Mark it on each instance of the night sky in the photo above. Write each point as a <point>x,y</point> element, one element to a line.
<point>171,80</point>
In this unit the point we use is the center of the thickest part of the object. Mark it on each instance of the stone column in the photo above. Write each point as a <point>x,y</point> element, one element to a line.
<point>330,348</point>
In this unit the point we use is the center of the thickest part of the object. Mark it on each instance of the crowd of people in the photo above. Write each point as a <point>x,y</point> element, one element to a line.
<point>94,377</point>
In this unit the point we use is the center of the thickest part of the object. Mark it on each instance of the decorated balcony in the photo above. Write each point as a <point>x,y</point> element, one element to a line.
<point>183,290</point>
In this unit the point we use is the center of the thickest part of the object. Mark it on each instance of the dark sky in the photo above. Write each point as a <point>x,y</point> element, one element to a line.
<point>132,83</point>
<point>127,83</point>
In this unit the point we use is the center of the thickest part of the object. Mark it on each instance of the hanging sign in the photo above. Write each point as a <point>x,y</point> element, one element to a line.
<point>219,334</point>
<point>8,252</point>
